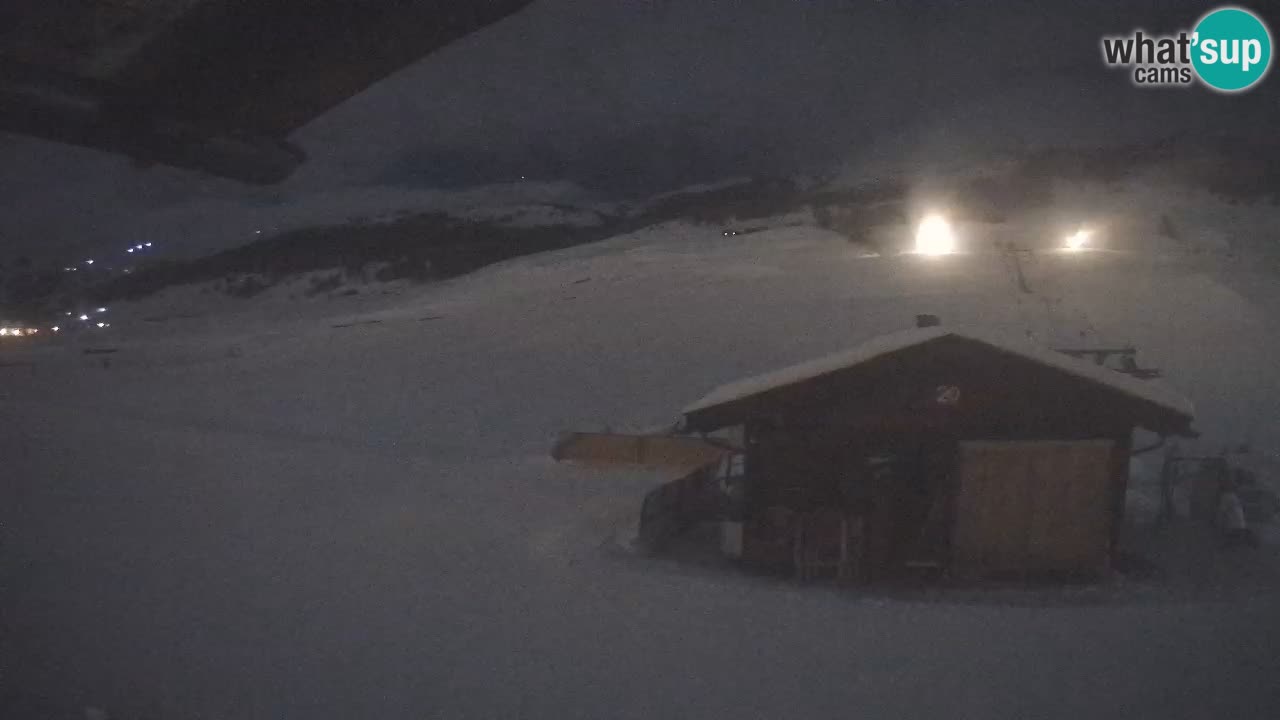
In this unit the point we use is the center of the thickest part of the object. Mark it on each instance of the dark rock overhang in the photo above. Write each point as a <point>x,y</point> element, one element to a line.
<point>215,86</point>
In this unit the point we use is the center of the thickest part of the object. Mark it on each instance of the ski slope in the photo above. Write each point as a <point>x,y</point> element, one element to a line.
<point>346,509</point>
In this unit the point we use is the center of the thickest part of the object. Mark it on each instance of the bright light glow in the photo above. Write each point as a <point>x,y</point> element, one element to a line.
<point>88,262</point>
<point>84,317</point>
<point>129,250</point>
<point>147,244</point>
<point>1078,240</point>
<point>33,331</point>
<point>55,328</point>
<point>102,324</point>
<point>102,309</point>
<point>935,237</point>
<point>4,331</point>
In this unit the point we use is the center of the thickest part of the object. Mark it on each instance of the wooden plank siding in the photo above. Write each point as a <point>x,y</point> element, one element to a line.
<point>1030,508</point>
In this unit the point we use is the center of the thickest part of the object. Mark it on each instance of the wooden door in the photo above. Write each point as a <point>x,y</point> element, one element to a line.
<point>1033,507</point>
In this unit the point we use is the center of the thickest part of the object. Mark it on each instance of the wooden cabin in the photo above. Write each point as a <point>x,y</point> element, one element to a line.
<point>935,450</point>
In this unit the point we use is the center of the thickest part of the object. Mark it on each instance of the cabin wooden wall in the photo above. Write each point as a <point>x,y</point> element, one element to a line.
<point>890,481</point>
<point>1047,494</point>
<point>1027,508</point>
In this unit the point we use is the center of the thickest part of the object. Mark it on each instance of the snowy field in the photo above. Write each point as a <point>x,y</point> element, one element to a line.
<point>323,516</point>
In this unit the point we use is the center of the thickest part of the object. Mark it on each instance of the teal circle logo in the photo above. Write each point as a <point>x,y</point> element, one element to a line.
<point>1231,49</point>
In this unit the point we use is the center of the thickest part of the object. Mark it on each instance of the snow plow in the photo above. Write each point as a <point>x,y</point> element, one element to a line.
<point>683,471</point>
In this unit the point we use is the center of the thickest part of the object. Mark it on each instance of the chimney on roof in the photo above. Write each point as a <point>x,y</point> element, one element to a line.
<point>927,321</point>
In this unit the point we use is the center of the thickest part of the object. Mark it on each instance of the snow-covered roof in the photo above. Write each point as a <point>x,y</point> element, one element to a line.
<point>886,344</point>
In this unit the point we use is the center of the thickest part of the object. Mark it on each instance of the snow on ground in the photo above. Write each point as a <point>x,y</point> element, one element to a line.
<point>697,188</point>
<point>206,309</point>
<point>535,215</point>
<point>195,229</point>
<point>349,512</point>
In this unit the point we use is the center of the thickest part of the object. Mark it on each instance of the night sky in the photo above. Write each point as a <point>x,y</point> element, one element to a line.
<point>631,97</point>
